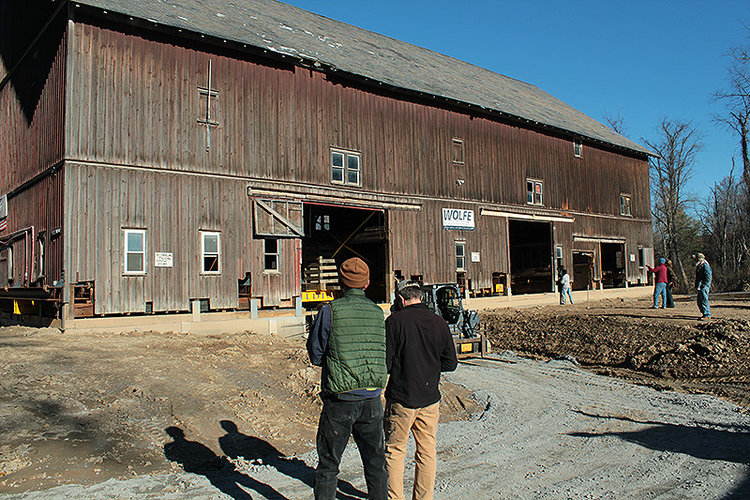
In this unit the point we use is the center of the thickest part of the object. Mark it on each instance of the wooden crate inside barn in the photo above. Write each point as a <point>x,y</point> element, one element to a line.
<point>321,275</point>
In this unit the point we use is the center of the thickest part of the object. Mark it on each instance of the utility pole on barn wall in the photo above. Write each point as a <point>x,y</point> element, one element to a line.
<point>676,146</point>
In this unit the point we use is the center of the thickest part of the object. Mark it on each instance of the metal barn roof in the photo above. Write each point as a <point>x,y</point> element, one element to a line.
<point>288,30</point>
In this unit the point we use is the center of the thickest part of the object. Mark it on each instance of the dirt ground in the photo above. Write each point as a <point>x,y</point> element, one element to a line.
<point>86,408</point>
<point>662,348</point>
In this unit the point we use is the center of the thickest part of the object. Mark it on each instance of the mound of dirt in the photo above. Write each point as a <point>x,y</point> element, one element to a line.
<point>663,348</point>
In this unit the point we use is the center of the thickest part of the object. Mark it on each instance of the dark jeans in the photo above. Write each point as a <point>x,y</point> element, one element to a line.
<point>340,419</point>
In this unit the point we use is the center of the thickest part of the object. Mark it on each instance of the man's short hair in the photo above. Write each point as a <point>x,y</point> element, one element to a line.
<point>410,289</point>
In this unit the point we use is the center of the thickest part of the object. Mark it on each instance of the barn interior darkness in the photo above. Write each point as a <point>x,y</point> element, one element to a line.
<point>530,256</point>
<point>613,265</point>
<point>338,233</point>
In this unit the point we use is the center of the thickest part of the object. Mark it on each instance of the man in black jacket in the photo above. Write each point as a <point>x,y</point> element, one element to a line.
<point>419,346</point>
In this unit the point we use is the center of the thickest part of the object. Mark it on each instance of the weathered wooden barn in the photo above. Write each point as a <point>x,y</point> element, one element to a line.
<point>157,153</point>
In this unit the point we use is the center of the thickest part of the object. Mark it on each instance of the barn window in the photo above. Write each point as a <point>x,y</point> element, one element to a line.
<point>346,167</point>
<point>625,205</point>
<point>578,149</point>
<point>135,251</point>
<point>460,255</point>
<point>458,151</point>
<point>534,192</point>
<point>271,254</point>
<point>211,252</point>
<point>40,269</point>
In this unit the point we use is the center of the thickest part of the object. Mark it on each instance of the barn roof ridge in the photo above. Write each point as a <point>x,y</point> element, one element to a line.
<point>292,31</point>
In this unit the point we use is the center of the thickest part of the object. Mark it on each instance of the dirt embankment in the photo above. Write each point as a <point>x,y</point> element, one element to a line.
<point>667,348</point>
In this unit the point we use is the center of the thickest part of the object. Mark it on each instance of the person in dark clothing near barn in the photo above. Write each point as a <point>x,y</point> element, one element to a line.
<point>347,340</point>
<point>660,283</point>
<point>419,346</point>
<point>703,277</point>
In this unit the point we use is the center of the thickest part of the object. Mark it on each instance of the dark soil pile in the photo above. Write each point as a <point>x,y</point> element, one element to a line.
<point>661,348</point>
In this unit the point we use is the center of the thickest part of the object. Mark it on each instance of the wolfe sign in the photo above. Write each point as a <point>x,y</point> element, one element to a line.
<point>456,218</point>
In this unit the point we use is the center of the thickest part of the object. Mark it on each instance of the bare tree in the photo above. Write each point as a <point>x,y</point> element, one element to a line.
<point>616,122</point>
<point>736,98</point>
<point>676,145</point>
<point>725,231</point>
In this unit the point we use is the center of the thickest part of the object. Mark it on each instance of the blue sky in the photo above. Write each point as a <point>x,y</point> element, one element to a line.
<point>642,59</point>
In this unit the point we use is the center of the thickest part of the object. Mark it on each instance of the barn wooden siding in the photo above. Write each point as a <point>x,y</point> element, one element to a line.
<point>173,208</point>
<point>31,149</point>
<point>420,245</point>
<point>134,102</point>
<point>31,111</point>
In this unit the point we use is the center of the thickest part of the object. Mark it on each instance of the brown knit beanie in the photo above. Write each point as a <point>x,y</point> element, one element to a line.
<point>354,273</point>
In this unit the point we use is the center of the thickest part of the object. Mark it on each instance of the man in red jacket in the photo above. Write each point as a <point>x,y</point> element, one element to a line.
<point>419,346</point>
<point>660,285</point>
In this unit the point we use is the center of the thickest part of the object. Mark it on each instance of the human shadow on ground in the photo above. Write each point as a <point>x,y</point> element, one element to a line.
<point>197,458</point>
<point>234,444</point>
<point>704,440</point>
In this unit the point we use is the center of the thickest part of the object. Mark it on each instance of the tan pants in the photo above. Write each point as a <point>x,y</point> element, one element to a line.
<point>422,422</point>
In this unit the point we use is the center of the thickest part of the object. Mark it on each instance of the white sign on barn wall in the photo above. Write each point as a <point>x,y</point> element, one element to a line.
<point>457,218</point>
<point>163,259</point>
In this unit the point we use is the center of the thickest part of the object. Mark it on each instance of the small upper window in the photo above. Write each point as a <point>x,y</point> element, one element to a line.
<point>135,251</point>
<point>346,167</point>
<point>625,205</point>
<point>210,252</point>
<point>270,254</point>
<point>534,192</point>
<point>578,149</point>
<point>458,151</point>
<point>460,255</point>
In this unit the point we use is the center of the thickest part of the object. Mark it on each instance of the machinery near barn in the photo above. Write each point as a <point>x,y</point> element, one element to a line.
<point>444,299</point>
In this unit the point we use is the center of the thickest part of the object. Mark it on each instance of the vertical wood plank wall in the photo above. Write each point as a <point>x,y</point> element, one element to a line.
<point>132,127</point>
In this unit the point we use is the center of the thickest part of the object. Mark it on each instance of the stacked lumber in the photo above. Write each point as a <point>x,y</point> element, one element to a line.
<point>321,275</point>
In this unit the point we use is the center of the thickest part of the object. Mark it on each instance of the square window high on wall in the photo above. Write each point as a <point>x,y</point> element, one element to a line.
<point>534,192</point>
<point>578,149</point>
<point>135,251</point>
<point>346,167</point>
<point>210,252</point>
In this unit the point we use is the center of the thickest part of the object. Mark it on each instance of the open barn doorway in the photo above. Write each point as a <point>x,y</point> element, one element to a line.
<point>334,234</point>
<point>530,256</point>
<point>583,270</point>
<point>613,265</point>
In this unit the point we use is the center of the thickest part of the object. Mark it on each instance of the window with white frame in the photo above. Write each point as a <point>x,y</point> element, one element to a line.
<point>625,205</point>
<point>578,149</point>
<point>135,251</point>
<point>210,252</point>
<point>534,192</point>
<point>460,255</point>
<point>346,167</point>
<point>271,254</point>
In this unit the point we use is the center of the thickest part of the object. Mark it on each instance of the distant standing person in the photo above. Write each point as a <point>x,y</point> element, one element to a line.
<point>660,283</point>
<point>348,340</point>
<point>703,276</point>
<point>670,283</point>
<point>419,346</point>
<point>565,286</point>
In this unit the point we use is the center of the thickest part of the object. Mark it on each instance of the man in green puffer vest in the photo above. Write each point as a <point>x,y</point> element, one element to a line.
<point>347,340</point>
